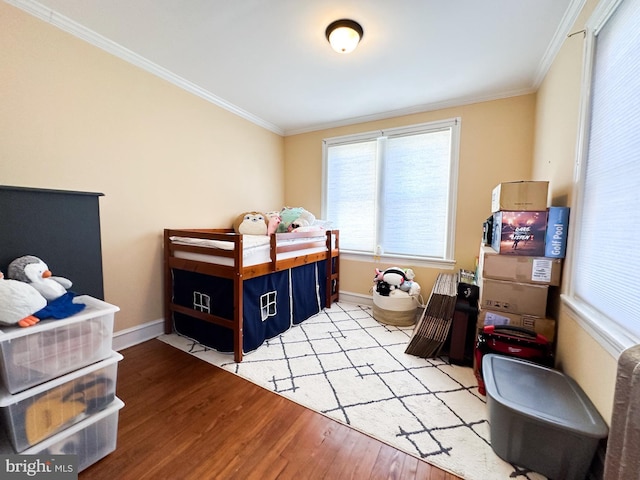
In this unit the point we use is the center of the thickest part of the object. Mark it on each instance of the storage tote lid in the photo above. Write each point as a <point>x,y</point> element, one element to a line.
<point>541,393</point>
<point>93,308</point>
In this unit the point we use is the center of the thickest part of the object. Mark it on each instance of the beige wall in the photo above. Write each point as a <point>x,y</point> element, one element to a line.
<point>76,118</point>
<point>578,354</point>
<point>496,145</point>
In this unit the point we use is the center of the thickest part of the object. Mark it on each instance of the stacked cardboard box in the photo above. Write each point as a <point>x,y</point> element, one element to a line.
<point>514,271</point>
<point>514,290</point>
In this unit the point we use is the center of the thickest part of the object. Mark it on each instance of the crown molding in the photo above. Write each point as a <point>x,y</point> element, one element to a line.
<point>567,22</point>
<point>63,23</point>
<point>430,107</point>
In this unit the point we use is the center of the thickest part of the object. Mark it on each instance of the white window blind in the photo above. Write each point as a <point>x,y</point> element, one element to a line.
<point>392,193</point>
<point>606,258</point>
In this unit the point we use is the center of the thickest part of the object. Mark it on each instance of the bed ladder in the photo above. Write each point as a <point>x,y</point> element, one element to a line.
<point>333,267</point>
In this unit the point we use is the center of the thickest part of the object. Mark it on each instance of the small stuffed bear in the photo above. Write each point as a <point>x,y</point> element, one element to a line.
<point>251,223</point>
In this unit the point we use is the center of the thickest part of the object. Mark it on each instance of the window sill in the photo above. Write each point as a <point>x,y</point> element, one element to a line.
<point>399,260</point>
<point>611,336</point>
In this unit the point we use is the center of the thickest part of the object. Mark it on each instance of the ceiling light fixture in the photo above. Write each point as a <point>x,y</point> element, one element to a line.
<point>344,35</point>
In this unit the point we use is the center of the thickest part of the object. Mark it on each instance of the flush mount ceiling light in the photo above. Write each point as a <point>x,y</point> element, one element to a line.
<point>344,35</point>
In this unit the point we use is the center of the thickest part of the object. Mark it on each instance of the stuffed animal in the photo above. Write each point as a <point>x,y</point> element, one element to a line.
<point>294,217</point>
<point>273,221</point>
<point>18,302</point>
<point>251,223</point>
<point>408,283</point>
<point>395,278</point>
<point>35,272</point>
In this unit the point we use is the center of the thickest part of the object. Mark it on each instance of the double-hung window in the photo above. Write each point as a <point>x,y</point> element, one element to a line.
<point>605,263</point>
<point>392,193</point>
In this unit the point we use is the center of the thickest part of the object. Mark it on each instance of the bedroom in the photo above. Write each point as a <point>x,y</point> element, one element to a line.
<point>78,118</point>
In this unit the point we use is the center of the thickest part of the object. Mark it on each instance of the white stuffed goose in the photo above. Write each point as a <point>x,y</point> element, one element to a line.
<point>18,302</point>
<point>35,272</point>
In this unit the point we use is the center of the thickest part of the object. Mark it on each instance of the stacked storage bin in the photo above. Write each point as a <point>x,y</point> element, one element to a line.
<point>58,385</point>
<point>517,264</point>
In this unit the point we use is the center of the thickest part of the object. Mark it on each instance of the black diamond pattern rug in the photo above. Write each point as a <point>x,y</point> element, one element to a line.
<point>349,367</point>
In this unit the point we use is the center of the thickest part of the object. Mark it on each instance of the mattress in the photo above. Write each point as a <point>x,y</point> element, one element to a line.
<point>255,249</point>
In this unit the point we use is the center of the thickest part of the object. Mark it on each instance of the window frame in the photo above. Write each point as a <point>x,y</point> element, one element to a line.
<point>611,335</point>
<point>455,124</point>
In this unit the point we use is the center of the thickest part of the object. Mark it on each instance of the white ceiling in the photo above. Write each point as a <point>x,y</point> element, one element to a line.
<point>269,61</point>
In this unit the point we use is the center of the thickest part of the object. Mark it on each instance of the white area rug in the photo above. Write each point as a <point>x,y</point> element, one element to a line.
<point>349,367</point>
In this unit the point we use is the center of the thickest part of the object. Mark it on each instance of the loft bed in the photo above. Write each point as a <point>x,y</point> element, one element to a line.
<point>231,292</point>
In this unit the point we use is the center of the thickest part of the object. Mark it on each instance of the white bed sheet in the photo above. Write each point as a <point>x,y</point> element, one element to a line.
<point>256,249</point>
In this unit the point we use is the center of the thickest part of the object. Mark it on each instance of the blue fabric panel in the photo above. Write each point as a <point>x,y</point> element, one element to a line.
<point>270,293</point>
<point>219,290</point>
<point>305,288</point>
<point>295,294</point>
<point>209,334</point>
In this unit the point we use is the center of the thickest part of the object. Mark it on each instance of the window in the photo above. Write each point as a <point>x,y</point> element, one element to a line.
<point>392,193</point>
<point>268,305</point>
<point>201,302</point>
<point>606,257</point>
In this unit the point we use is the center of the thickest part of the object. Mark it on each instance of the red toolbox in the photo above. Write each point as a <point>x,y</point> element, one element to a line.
<point>511,341</point>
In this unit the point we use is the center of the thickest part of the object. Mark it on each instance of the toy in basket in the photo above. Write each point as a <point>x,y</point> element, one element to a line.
<point>395,296</point>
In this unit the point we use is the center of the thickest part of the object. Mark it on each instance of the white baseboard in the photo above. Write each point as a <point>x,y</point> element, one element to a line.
<point>358,298</point>
<point>138,334</point>
<point>150,330</point>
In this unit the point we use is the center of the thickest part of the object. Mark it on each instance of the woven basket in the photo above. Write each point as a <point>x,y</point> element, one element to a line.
<point>399,311</point>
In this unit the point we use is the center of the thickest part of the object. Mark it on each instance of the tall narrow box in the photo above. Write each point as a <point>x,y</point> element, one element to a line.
<point>555,244</point>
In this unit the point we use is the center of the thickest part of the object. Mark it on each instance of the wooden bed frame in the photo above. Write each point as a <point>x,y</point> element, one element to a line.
<point>238,273</point>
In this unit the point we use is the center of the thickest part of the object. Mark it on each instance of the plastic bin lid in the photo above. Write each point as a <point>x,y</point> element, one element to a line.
<point>93,308</point>
<point>541,393</point>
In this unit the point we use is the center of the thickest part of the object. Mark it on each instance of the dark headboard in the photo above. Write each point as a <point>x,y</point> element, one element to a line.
<point>60,227</point>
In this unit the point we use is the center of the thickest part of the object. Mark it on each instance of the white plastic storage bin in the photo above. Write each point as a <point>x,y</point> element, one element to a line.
<point>34,355</point>
<point>91,439</point>
<point>35,414</point>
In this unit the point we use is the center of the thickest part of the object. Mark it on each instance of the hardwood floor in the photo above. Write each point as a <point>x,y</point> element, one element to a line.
<point>186,419</point>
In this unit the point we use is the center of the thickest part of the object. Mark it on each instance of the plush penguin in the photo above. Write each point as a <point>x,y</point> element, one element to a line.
<point>35,272</point>
<point>18,302</point>
<point>251,223</point>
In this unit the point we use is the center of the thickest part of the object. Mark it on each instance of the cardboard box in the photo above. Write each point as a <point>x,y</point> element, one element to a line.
<point>541,325</point>
<point>531,196</point>
<point>516,268</point>
<point>555,244</point>
<point>514,297</point>
<point>519,232</point>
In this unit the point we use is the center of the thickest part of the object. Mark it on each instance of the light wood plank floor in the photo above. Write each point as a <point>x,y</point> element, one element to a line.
<point>186,419</point>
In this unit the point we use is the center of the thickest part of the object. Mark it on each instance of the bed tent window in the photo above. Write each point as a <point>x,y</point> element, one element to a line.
<point>606,257</point>
<point>376,184</point>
